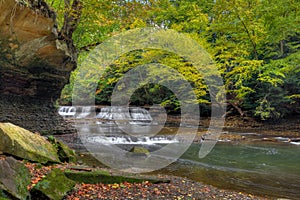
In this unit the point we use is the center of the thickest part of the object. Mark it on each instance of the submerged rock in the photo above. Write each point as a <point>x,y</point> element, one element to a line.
<point>140,151</point>
<point>24,144</point>
<point>14,179</point>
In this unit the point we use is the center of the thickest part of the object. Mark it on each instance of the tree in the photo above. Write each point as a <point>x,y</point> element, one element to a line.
<point>255,45</point>
<point>234,33</point>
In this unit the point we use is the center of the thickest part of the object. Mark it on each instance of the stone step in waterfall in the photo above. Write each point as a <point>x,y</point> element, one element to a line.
<point>132,115</point>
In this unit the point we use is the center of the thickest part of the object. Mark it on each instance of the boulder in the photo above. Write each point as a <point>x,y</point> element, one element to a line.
<point>140,151</point>
<point>14,179</point>
<point>65,154</point>
<point>25,144</point>
<point>53,187</point>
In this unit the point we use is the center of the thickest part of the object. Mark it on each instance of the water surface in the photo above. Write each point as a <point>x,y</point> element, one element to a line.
<point>260,168</point>
<point>263,168</point>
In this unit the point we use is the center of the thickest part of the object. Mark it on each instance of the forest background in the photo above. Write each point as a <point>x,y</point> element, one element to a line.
<point>254,43</point>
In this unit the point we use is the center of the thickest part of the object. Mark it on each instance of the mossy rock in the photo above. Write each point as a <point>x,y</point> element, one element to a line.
<point>25,144</point>
<point>98,176</point>
<point>4,195</point>
<point>65,154</point>
<point>53,187</point>
<point>139,151</point>
<point>14,179</point>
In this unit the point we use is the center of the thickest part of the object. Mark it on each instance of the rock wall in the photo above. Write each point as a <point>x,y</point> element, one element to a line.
<point>34,66</point>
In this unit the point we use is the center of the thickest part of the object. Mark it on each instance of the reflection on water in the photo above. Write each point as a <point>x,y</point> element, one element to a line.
<point>258,167</point>
<point>263,169</point>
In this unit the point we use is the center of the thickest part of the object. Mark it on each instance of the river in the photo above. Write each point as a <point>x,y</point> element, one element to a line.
<point>264,168</point>
<point>260,168</point>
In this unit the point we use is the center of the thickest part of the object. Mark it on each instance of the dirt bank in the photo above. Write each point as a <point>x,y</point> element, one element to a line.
<point>289,127</point>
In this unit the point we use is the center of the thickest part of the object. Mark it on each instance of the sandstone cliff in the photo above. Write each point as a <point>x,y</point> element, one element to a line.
<point>34,65</point>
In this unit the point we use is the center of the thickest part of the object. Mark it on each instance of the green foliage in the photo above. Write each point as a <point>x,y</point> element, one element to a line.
<point>105,177</point>
<point>279,88</point>
<point>152,88</point>
<point>255,45</point>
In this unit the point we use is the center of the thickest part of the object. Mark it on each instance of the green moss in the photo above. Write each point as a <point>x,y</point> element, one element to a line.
<point>54,186</point>
<point>23,180</point>
<point>19,177</point>
<point>106,178</point>
<point>25,144</point>
<point>140,151</point>
<point>65,154</point>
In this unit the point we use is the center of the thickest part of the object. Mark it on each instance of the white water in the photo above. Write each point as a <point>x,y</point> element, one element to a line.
<point>107,140</point>
<point>132,114</point>
<point>86,111</point>
<point>285,139</point>
<point>296,143</point>
<point>67,111</point>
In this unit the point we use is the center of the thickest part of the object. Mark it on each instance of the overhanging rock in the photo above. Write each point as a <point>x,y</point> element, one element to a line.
<point>34,66</point>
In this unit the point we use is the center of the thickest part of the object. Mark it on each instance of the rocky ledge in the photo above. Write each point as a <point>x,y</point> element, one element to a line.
<point>35,64</point>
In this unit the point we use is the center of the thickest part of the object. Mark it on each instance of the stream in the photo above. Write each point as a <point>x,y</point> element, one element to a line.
<point>270,169</point>
<point>266,168</point>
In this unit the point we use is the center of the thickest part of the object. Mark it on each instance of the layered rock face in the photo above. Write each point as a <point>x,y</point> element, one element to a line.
<point>34,66</point>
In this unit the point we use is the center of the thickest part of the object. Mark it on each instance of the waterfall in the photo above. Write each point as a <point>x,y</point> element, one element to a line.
<point>129,140</point>
<point>85,111</point>
<point>67,111</point>
<point>140,114</point>
<point>131,115</point>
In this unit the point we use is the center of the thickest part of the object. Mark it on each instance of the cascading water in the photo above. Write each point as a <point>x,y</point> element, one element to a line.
<point>139,114</point>
<point>128,125</point>
<point>85,112</point>
<point>124,115</point>
<point>67,111</point>
<point>129,140</point>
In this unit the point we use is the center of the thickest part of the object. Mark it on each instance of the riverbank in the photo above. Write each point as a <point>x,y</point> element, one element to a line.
<point>285,127</point>
<point>177,188</point>
<point>246,128</point>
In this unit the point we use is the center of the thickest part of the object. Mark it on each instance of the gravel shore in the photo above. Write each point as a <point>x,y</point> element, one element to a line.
<point>177,189</point>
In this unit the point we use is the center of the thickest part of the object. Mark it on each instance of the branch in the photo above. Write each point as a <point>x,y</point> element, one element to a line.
<point>71,18</point>
<point>249,35</point>
<point>240,111</point>
<point>87,47</point>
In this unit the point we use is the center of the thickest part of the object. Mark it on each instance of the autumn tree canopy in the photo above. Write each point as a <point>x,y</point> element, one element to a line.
<point>255,45</point>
